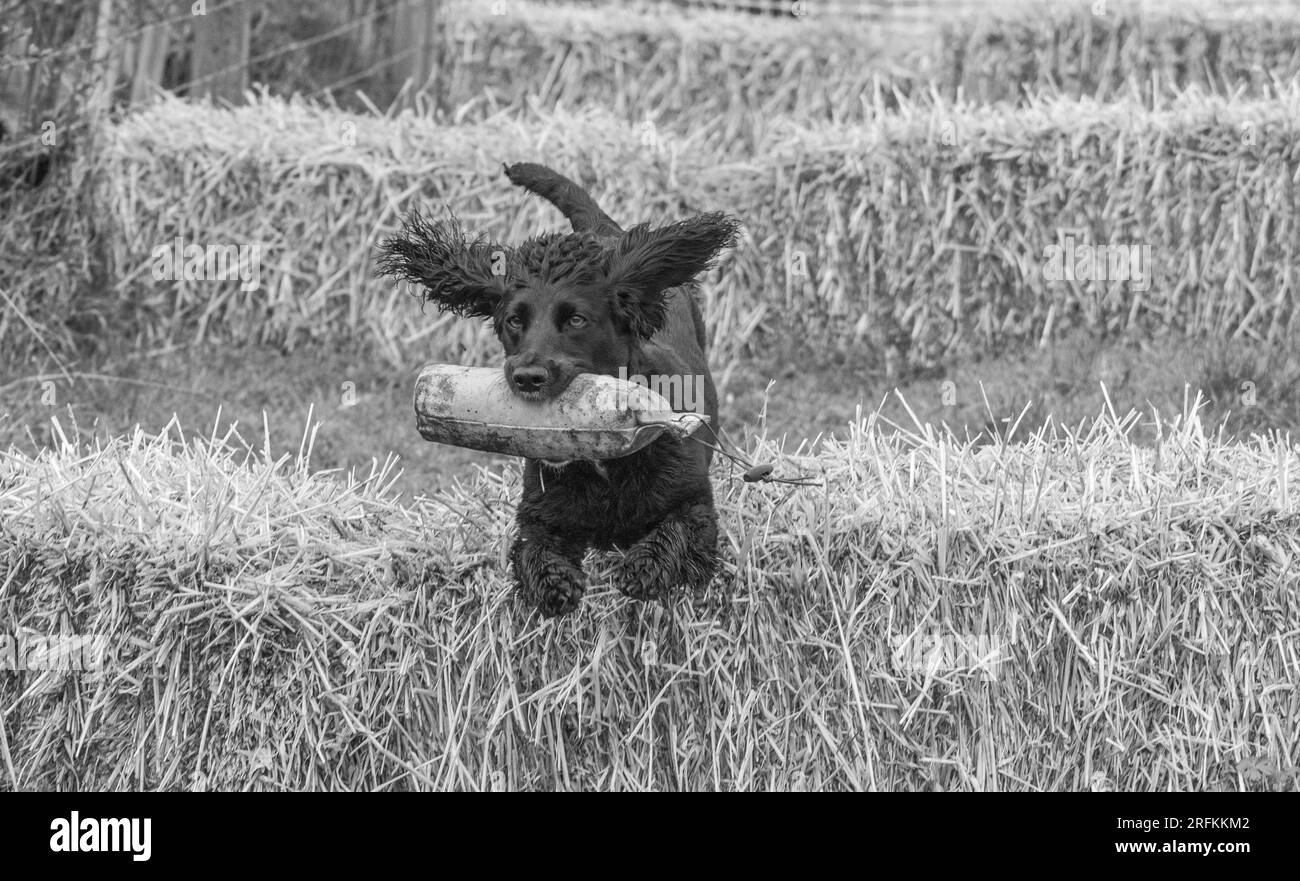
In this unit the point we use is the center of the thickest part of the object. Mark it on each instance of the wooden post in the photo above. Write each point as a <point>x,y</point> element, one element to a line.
<point>221,52</point>
<point>414,24</point>
<point>364,10</point>
<point>151,53</point>
<point>103,64</point>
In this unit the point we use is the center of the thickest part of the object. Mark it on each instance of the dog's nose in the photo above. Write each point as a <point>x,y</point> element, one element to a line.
<point>530,379</point>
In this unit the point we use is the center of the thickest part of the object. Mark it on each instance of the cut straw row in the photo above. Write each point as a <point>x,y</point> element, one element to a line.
<point>936,229</point>
<point>1060,612</point>
<point>687,67</point>
<point>676,81</point>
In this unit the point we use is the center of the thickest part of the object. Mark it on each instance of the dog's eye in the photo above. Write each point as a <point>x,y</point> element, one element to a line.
<point>576,321</point>
<point>514,322</point>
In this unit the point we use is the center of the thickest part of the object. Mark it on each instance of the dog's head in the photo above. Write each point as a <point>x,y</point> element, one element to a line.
<point>560,304</point>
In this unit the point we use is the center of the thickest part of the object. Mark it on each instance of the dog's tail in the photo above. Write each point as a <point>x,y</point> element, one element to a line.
<point>572,200</point>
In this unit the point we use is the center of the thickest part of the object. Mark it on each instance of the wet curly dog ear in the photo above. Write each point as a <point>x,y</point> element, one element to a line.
<point>647,262</point>
<point>466,278</point>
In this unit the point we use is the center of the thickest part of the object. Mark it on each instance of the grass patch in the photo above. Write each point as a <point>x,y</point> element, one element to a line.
<point>361,401</point>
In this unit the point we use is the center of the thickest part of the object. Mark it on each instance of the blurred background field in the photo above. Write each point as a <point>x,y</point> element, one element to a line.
<point>903,171</point>
<point>900,169</point>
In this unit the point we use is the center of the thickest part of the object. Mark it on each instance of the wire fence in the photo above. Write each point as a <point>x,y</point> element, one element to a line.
<point>64,65</point>
<point>56,57</point>
<point>900,13</point>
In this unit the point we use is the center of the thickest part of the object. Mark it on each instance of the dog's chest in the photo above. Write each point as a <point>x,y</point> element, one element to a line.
<point>607,508</point>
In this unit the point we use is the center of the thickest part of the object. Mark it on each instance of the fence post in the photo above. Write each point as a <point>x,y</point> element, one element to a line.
<point>103,63</point>
<point>221,51</point>
<point>414,24</point>
<point>150,56</point>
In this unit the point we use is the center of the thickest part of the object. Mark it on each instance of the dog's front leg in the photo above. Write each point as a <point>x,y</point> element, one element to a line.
<point>548,568</point>
<point>681,550</point>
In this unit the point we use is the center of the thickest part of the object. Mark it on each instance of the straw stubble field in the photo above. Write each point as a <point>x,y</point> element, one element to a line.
<point>1017,606</point>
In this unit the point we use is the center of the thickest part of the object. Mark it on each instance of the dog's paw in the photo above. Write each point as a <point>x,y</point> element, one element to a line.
<point>699,571</point>
<point>555,588</point>
<point>643,576</point>
<point>563,598</point>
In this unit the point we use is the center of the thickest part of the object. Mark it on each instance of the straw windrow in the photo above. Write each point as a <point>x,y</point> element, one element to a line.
<point>675,77</point>
<point>927,230</point>
<point>687,67</point>
<point>1072,612</point>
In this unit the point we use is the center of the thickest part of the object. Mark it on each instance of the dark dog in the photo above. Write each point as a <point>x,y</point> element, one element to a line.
<point>599,300</point>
